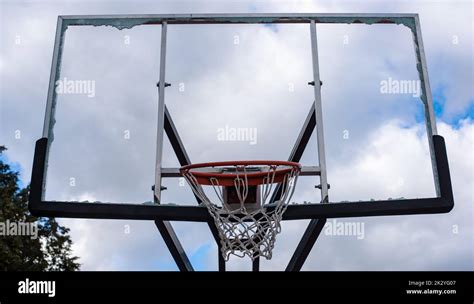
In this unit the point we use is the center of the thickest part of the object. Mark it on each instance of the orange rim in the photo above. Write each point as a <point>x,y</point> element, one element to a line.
<point>227,179</point>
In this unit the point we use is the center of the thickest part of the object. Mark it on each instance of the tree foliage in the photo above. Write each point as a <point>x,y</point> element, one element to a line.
<point>50,251</point>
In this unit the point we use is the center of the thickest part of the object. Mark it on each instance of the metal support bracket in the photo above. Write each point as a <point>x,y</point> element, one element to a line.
<point>166,84</point>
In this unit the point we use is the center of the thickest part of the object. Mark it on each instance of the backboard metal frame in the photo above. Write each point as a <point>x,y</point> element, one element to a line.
<point>161,214</point>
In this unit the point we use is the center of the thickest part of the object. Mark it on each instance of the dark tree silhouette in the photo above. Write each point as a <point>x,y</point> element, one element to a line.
<point>50,251</point>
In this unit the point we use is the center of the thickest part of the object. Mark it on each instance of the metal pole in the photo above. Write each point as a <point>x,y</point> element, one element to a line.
<point>53,78</point>
<point>427,98</point>
<point>161,114</point>
<point>256,265</point>
<point>49,119</point>
<point>319,114</point>
<point>303,250</point>
<point>220,260</point>
<point>174,246</point>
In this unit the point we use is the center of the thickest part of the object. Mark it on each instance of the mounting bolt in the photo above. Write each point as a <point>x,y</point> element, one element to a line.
<point>320,187</point>
<point>166,84</point>
<point>311,83</point>
<point>162,188</point>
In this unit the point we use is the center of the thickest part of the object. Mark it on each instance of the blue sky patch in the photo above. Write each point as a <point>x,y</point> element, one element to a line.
<point>15,167</point>
<point>439,100</point>
<point>198,259</point>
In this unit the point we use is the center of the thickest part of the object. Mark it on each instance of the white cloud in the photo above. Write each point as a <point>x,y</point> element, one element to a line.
<point>421,242</point>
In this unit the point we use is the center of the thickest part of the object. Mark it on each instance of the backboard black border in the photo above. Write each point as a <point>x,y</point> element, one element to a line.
<point>38,207</point>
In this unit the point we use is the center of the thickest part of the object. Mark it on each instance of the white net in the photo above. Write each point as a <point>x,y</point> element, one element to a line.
<point>248,229</point>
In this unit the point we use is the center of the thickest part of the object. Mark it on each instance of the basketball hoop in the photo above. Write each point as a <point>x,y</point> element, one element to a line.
<point>245,212</point>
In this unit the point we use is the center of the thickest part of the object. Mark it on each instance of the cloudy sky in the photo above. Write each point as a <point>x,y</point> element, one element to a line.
<point>253,77</point>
